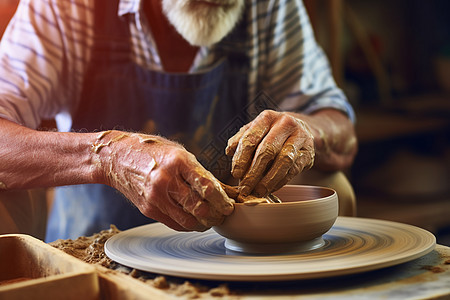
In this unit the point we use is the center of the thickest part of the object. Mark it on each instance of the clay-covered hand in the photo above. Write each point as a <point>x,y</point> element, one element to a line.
<point>162,179</point>
<point>270,151</point>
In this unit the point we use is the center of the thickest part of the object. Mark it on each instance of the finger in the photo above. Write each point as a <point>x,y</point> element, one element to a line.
<point>265,154</point>
<point>288,164</point>
<point>270,186</point>
<point>213,193</point>
<point>279,169</point>
<point>187,198</point>
<point>207,187</point>
<point>166,212</point>
<point>304,162</point>
<point>231,191</point>
<point>234,140</point>
<point>248,143</point>
<point>169,205</point>
<point>193,204</point>
<point>183,218</point>
<point>291,174</point>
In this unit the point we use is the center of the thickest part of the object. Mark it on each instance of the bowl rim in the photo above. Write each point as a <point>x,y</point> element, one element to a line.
<point>333,194</point>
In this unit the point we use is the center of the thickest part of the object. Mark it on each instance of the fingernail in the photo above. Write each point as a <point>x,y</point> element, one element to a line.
<point>237,172</point>
<point>260,191</point>
<point>228,150</point>
<point>245,191</point>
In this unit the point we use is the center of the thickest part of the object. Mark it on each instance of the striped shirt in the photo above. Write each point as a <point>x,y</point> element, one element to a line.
<point>46,48</point>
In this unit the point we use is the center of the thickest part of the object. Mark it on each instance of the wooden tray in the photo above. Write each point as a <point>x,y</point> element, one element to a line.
<point>31,269</point>
<point>118,286</point>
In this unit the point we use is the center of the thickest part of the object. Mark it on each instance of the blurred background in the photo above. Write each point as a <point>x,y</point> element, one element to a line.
<point>392,59</point>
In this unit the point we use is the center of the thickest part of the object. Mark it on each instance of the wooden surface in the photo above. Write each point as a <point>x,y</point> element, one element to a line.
<point>118,286</point>
<point>31,269</point>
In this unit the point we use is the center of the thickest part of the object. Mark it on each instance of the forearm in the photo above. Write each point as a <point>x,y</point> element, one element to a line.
<point>334,139</point>
<point>160,177</point>
<point>30,158</point>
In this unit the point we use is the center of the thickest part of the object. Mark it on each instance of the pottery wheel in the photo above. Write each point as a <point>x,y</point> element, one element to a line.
<point>352,245</point>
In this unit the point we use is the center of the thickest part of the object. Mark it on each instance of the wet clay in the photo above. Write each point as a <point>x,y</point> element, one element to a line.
<point>233,193</point>
<point>130,167</point>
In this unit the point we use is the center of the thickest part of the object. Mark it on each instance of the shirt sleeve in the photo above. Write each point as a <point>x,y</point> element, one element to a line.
<point>43,53</point>
<point>296,70</point>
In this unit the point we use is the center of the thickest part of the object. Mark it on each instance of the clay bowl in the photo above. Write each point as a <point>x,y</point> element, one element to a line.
<point>295,225</point>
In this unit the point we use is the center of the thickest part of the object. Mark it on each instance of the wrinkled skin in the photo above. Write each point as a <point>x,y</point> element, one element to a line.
<point>273,148</point>
<point>163,180</point>
<point>269,151</point>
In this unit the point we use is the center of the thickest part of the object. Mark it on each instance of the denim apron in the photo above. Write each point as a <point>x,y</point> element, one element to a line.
<point>200,110</point>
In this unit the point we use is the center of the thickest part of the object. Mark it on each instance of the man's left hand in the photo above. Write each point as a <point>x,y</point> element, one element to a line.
<point>269,151</point>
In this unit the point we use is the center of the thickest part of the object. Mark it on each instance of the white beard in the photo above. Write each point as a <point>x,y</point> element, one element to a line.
<point>203,24</point>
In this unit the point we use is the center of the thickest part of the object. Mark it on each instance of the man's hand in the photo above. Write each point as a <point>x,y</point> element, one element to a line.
<point>163,180</point>
<point>270,151</point>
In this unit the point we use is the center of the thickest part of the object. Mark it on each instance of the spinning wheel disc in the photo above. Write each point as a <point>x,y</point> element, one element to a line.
<point>352,245</point>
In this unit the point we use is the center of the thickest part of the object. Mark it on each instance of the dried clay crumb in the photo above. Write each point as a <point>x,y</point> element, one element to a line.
<point>187,290</point>
<point>433,269</point>
<point>220,291</point>
<point>88,249</point>
<point>135,273</point>
<point>160,282</point>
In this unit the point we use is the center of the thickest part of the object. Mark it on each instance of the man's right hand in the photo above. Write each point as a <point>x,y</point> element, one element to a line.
<point>162,179</point>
